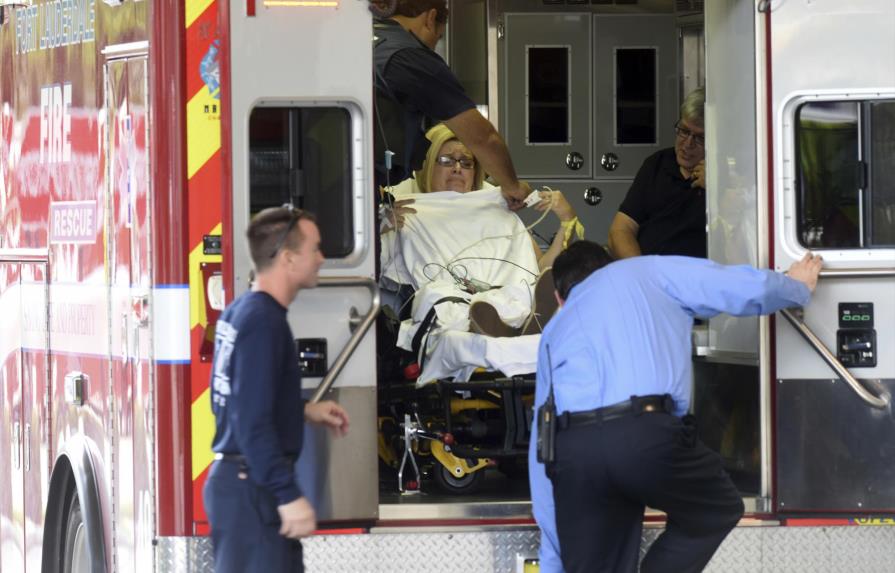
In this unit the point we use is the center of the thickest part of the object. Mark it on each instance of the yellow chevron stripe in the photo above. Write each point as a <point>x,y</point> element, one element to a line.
<point>202,433</point>
<point>203,129</point>
<point>194,9</point>
<point>197,287</point>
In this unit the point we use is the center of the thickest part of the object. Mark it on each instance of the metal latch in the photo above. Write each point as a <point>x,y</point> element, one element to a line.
<point>76,388</point>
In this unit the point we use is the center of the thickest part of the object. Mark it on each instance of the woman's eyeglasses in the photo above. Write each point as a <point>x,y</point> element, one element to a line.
<point>683,134</point>
<point>449,161</point>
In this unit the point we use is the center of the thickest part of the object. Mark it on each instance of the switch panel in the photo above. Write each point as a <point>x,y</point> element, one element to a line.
<point>311,356</point>
<point>856,338</point>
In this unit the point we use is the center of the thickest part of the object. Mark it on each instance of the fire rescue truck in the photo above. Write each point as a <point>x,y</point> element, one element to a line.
<point>138,137</point>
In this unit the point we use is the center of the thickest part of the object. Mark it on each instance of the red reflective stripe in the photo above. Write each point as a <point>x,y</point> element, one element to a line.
<point>810,522</point>
<point>250,7</point>
<point>453,522</point>
<point>350,531</point>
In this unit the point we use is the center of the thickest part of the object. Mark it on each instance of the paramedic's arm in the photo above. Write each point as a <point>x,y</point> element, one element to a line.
<point>706,288</point>
<point>623,237</point>
<point>485,143</point>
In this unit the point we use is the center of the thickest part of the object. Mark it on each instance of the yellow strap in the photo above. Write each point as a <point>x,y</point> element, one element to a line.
<point>569,227</point>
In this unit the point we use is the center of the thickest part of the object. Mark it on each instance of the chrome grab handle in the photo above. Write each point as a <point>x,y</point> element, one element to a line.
<point>27,447</point>
<point>17,445</point>
<point>881,400</point>
<point>857,273</point>
<point>358,333</point>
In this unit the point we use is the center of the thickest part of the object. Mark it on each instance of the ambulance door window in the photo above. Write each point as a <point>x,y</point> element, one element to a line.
<point>844,181</point>
<point>303,156</point>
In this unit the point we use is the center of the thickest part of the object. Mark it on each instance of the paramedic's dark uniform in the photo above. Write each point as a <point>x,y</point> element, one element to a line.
<point>413,84</point>
<point>259,420</point>
<point>625,332</point>
<point>670,213</point>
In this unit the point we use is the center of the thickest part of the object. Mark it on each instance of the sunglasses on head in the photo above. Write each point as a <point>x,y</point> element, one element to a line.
<point>294,215</point>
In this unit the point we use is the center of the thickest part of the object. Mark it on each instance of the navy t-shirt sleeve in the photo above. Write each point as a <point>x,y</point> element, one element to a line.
<point>635,202</point>
<point>256,357</point>
<point>421,79</point>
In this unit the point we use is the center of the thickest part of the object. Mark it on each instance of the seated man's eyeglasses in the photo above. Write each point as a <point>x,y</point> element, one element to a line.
<point>448,161</point>
<point>295,214</point>
<point>683,134</point>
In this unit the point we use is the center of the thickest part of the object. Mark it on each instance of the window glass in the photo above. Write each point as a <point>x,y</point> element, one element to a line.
<point>303,156</point>
<point>846,174</point>
<point>635,96</point>
<point>827,142</point>
<point>548,95</point>
<point>882,173</point>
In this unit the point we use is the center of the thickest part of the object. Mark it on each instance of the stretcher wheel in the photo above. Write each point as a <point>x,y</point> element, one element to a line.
<point>449,483</point>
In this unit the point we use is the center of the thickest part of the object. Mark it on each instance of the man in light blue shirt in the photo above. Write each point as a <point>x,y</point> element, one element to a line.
<point>621,370</point>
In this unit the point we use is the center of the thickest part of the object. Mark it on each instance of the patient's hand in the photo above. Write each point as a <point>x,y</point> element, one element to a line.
<point>556,202</point>
<point>396,214</point>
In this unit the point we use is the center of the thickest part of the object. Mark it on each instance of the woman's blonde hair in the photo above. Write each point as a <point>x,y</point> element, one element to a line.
<point>439,135</point>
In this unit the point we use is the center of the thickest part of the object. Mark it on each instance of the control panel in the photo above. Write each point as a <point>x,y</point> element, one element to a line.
<point>856,337</point>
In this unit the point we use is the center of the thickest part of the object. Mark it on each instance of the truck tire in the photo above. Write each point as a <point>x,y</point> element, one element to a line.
<point>77,555</point>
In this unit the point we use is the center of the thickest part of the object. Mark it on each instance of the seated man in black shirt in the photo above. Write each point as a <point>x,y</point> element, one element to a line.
<point>413,83</point>
<point>664,210</point>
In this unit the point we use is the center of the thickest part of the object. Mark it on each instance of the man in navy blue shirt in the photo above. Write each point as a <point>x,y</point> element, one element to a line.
<point>256,510</point>
<point>617,357</point>
<point>413,83</point>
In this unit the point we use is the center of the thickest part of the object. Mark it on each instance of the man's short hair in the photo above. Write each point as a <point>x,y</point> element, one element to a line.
<point>413,8</point>
<point>693,109</point>
<point>271,230</point>
<point>409,8</point>
<point>577,263</point>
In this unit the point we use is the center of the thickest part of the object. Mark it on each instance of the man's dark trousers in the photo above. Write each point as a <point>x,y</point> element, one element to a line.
<point>245,525</point>
<point>606,473</point>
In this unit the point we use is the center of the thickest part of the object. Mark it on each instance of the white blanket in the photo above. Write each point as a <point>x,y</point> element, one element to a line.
<point>457,355</point>
<point>454,236</point>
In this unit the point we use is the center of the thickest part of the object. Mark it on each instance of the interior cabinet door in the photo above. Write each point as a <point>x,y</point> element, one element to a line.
<point>547,66</point>
<point>635,90</point>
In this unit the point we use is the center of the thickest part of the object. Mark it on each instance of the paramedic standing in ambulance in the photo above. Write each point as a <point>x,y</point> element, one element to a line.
<point>413,83</point>
<point>256,510</point>
<point>616,359</point>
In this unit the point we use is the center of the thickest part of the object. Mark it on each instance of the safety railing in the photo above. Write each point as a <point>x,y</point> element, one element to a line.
<point>359,327</point>
<point>881,397</point>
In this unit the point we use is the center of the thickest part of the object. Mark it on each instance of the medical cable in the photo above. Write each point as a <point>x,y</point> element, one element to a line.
<point>511,235</point>
<point>456,257</point>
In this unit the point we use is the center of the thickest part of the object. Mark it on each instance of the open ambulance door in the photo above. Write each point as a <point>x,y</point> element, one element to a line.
<point>800,156</point>
<point>833,192</point>
<point>297,109</point>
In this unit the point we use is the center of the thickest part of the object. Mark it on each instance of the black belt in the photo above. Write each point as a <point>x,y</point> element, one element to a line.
<point>637,405</point>
<point>241,459</point>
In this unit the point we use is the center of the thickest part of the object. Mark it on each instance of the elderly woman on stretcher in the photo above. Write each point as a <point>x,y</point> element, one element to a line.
<point>452,238</point>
